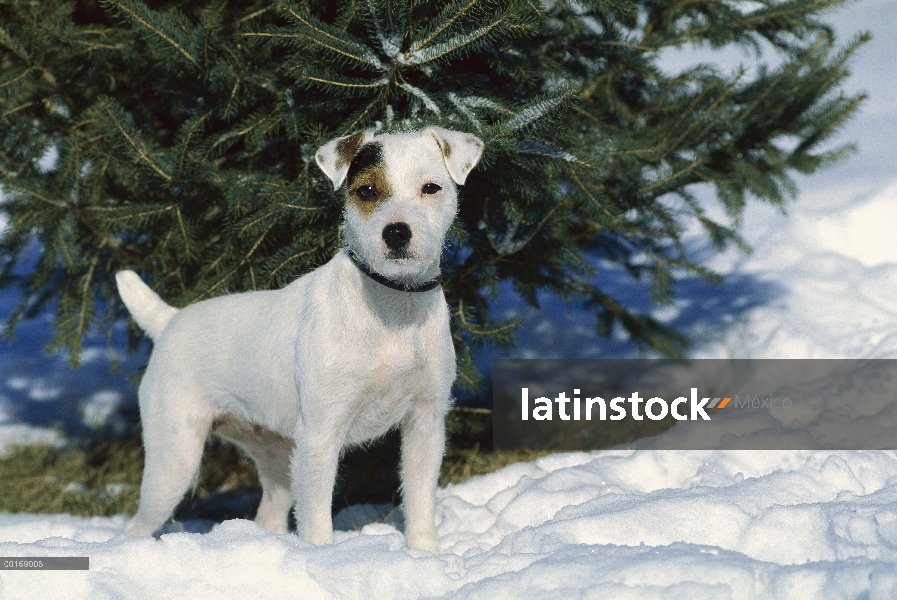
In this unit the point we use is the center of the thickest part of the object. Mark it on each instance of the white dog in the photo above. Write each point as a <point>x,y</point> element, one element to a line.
<point>338,357</point>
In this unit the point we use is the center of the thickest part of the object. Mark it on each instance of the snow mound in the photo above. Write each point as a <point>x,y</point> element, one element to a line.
<point>616,524</point>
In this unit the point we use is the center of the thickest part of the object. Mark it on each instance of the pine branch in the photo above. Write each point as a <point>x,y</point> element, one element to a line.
<point>339,42</point>
<point>465,42</point>
<point>162,27</point>
<point>448,17</point>
<point>389,34</point>
<point>539,108</point>
<point>420,94</point>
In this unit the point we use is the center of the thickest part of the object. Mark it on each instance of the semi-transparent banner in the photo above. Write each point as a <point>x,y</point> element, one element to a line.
<point>695,405</point>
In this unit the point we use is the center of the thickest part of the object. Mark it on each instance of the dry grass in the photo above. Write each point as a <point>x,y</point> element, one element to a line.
<point>101,481</point>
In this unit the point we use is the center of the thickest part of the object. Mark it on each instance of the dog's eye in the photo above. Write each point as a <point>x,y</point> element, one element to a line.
<point>430,188</point>
<point>366,192</point>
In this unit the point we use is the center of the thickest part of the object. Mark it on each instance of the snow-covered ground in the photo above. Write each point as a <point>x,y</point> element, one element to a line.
<point>640,525</point>
<point>42,399</point>
<point>821,283</point>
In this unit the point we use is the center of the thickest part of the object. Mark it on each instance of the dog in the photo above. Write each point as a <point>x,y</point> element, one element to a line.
<point>340,356</point>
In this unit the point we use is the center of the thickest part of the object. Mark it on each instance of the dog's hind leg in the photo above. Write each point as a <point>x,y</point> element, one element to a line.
<point>173,441</point>
<point>271,454</point>
<point>277,499</point>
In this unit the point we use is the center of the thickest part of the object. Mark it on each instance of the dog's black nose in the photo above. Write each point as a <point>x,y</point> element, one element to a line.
<point>397,235</point>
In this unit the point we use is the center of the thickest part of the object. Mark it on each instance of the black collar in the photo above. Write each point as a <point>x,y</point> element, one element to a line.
<point>393,285</point>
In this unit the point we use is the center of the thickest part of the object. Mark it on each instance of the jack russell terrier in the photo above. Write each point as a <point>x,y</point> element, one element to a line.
<point>338,357</point>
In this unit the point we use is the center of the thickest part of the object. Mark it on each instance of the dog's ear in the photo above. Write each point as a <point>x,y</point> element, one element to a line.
<point>335,156</point>
<point>460,151</point>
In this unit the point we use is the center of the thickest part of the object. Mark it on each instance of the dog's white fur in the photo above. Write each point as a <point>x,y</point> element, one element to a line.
<point>293,376</point>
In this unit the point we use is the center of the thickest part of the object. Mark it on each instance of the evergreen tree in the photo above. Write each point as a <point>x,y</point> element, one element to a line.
<point>177,138</point>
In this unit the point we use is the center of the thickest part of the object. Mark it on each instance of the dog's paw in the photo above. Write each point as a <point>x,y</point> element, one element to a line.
<point>423,542</point>
<point>318,537</point>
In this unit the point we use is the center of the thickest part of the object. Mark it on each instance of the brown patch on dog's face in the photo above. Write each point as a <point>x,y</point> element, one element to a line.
<point>345,149</point>
<point>446,149</point>
<point>366,180</point>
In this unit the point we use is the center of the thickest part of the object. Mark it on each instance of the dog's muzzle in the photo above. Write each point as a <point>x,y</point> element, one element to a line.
<point>397,236</point>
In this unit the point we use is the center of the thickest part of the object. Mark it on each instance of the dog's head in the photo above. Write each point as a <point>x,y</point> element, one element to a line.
<point>401,194</point>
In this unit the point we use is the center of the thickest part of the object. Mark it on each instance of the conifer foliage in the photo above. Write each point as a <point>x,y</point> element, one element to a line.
<point>177,138</point>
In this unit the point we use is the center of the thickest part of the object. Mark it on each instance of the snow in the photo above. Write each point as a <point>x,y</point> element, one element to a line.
<point>820,283</point>
<point>836,267</point>
<point>617,524</point>
<point>43,400</point>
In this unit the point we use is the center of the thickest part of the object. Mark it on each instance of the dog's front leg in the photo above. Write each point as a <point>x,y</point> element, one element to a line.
<point>423,444</point>
<point>313,468</point>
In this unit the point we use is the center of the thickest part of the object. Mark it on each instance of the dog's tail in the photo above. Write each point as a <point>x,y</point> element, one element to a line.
<point>147,308</point>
